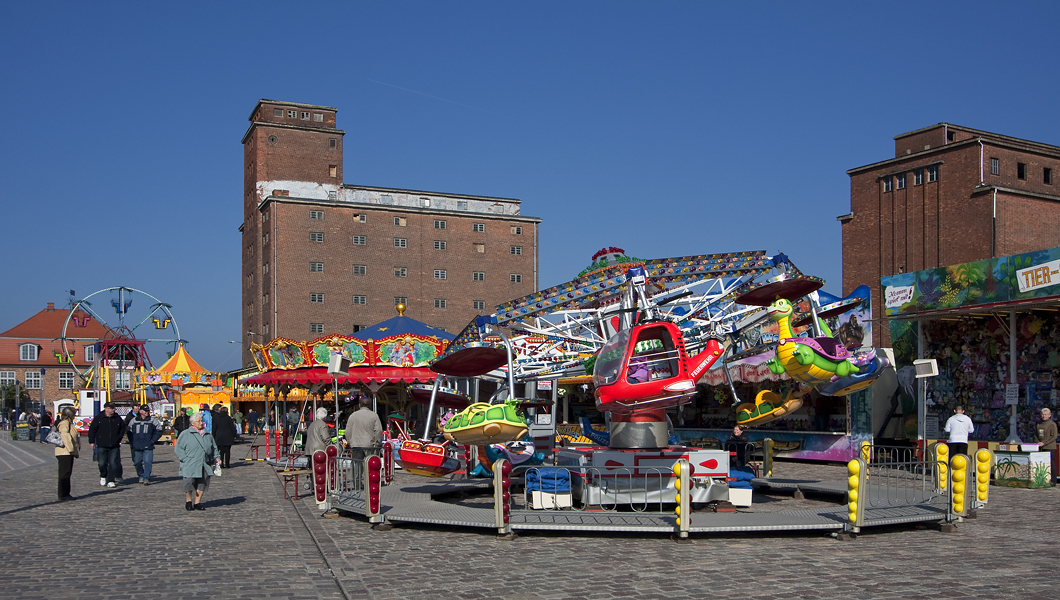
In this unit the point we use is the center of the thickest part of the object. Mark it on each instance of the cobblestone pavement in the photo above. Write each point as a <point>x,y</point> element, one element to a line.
<point>139,542</point>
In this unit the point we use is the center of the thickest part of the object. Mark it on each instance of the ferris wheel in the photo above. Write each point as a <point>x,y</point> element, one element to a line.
<point>123,325</point>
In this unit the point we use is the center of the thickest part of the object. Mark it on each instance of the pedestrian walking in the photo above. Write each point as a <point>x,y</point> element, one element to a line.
<point>66,453</point>
<point>293,418</point>
<point>207,417</point>
<point>224,435</point>
<point>959,426</point>
<point>318,436</point>
<point>181,423</point>
<point>144,430</point>
<point>197,453</point>
<point>45,424</point>
<point>238,418</point>
<point>1045,434</point>
<point>252,422</point>
<point>33,421</point>
<point>363,430</point>
<point>104,437</point>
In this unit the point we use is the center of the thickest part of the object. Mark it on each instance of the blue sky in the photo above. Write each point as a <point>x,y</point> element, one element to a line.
<point>663,128</point>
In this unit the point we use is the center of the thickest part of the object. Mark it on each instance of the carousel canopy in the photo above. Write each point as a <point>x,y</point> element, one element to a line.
<point>180,369</point>
<point>401,326</point>
<point>357,375</point>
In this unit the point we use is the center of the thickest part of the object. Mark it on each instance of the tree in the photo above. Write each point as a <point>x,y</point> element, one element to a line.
<point>7,392</point>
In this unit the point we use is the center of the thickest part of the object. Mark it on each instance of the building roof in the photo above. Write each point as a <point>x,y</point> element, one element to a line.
<point>298,104</point>
<point>980,133</point>
<point>45,329</point>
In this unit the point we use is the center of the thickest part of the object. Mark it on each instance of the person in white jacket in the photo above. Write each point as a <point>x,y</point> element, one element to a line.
<point>959,426</point>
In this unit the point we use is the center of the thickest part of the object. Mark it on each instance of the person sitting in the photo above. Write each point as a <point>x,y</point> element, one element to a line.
<point>638,370</point>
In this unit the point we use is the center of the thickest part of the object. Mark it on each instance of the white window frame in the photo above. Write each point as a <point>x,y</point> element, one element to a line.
<point>66,380</point>
<point>316,215</point>
<point>439,223</point>
<point>439,303</point>
<point>918,177</point>
<point>401,272</point>
<point>360,270</point>
<point>90,353</point>
<point>439,274</point>
<point>515,278</point>
<point>933,173</point>
<point>316,236</point>
<point>900,181</point>
<point>316,297</point>
<point>478,276</point>
<point>122,380</point>
<point>360,300</point>
<point>7,378</point>
<point>995,166</point>
<point>34,380</point>
<point>360,218</point>
<point>360,240</point>
<point>888,183</point>
<point>401,300</point>
<point>316,328</point>
<point>401,221</point>
<point>478,227</point>
<point>28,352</point>
<point>316,267</point>
<point>478,304</point>
<point>517,230</point>
<point>439,244</point>
<point>516,250</point>
<point>401,242</point>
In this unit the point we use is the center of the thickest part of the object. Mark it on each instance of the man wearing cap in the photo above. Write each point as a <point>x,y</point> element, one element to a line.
<point>143,432</point>
<point>104,438</point>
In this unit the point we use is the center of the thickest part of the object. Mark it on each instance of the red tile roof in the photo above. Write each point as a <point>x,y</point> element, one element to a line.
<point>44,329</point>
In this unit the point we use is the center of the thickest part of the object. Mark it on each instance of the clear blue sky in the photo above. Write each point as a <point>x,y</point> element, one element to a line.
<point>665,128</point>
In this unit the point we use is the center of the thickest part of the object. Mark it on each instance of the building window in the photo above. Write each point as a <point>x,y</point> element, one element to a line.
<point>918,177</point>
<point>425,202</point>
<point>480,248</point>
<point>360,269</point>
<point>305,116</point>
<point>461,204</point>
<point>360,240</point>
<point>995,166</point>
<point>439,245</point>
<point>478,227</point>
<point>516,278</point>
<point>887,183</point>
<point>439,224</point>
<point>901,181</point>
<point>316,267</point>
<point>33,380</point>
<point>122,380</point>
<point>439,273</point>
<point>265,300</point>
<point>28,352</point>
<point>333,170</point>
<point>401,243</point>
<point>517,230</point>
<point>357,328</point>
<point>316,215</point>
<point>386,199</point>
<point>333,195</point>
<point>316,298</point>
<point>66,380</point>
<point>478,276</point>
<point>401,300</point>
<point>360,299</point>
<point>316,236</point>
<point>265,238</point>
<point>933,173</point>
<point>516,250</point>
<point>318,117</point>
<point>90,353</point>
<point>266,329</point>
<point>1047,176</point>
<point>277,112</point>
<point>316,328</point>
<point>362,218</point>
<point>292,114</point>
<point>401,272</point>
<point>265,269</point>
<point>1021,170</point>
<point>478,304</point>
<point>439,302</point>
<point>400,221</point>
<point>7,378</point>
<point>333,143</point>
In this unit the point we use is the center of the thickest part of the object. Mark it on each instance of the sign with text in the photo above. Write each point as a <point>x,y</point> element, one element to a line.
<point>1038,276</point>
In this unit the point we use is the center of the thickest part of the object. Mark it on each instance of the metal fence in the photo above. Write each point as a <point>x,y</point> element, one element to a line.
<point>349,469</point>
<point>634,489</point>
<point>903,476</point>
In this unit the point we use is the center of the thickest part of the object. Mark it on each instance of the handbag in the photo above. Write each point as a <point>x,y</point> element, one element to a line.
<point>54,437</point>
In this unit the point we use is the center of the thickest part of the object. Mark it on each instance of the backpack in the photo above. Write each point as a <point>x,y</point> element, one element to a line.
<point>32,420</point>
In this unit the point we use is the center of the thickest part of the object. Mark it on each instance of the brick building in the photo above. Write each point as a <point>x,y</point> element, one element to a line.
<point>32,354</point>
<point>950,195</point>
<point>321,256</point>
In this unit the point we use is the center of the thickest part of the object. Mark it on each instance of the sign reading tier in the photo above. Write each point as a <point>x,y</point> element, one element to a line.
<point>1038,276</point>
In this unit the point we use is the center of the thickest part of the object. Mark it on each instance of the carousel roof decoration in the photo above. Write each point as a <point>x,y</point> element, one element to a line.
<point>180,370</point>
<point>398,349</point>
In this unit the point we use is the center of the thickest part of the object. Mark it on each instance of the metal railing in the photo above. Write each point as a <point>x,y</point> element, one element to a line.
<point>903,476</point>
<point>349,469</point>
<point>634,489</point>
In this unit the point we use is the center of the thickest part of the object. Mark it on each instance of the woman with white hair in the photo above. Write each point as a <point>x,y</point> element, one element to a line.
<point>318,437</point>
<point>197,453</point>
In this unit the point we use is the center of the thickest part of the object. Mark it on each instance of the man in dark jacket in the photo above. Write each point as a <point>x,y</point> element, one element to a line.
<point>224,435</point>
<point>104,437</point>
<point>181,423</point>
<point>143,432</point>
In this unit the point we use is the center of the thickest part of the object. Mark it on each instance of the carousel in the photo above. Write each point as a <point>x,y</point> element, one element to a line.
<point>388,363</point>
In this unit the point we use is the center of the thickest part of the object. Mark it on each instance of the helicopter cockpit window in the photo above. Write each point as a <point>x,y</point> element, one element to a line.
<point>609,360</point>
<point>654,356</point>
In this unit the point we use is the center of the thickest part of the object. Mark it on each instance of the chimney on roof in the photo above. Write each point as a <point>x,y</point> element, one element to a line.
<point>51,306</point>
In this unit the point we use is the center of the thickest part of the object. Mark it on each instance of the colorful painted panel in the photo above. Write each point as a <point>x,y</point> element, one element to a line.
<point>320,350</point>
<point>285,354</point>
<point>408,351</point>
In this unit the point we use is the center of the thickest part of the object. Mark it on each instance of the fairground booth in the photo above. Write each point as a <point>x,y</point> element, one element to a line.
<point>993,326</point>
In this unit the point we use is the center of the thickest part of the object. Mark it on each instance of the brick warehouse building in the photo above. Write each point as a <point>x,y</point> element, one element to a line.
<point>321,256</point>
<point>950,195</point>
<point>32,354</point>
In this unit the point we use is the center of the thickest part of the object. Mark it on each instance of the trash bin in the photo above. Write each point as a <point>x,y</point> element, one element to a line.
<point>22,432</point>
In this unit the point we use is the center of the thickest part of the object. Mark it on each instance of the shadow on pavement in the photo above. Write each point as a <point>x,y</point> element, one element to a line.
<point>102,492</point>
<point>224,501</point>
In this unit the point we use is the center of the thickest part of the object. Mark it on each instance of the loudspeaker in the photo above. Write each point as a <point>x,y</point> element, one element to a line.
<point>338,364</point>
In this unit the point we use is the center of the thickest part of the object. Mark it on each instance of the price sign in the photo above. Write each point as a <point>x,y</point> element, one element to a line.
<point>1012,394</point>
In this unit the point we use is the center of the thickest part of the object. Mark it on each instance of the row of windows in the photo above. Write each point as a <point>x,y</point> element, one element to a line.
<point>34,380</point>
<point>318,267</point>
<point>303,115</point>
<point>362,240</point>
<point>31,352</point>
<point>318,215</point>
<point>1021,171</point>
<point>898,181</point>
